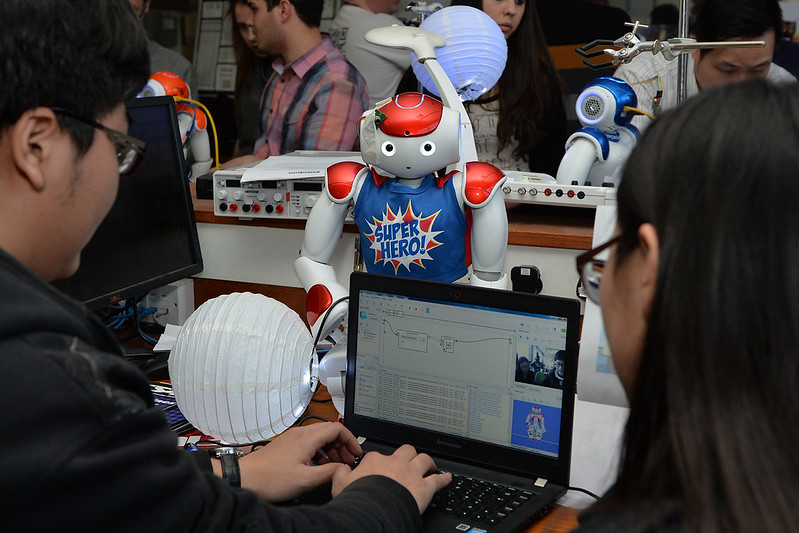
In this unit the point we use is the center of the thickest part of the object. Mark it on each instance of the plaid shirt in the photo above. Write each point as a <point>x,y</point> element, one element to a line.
<point>312,104</point>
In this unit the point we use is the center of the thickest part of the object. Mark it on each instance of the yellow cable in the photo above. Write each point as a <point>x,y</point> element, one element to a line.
<point>650,80</point>
<point>628,109</point>
<point>210,119</point>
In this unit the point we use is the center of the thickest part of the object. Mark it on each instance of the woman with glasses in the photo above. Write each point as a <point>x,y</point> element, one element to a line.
<point>700,300</point>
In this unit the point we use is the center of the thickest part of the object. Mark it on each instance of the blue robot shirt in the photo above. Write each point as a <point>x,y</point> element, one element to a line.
<point>416,233</point>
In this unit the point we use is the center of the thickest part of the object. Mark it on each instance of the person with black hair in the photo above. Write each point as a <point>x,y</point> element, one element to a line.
<point>252,72</point>
<point>93,452</point>
<point>520,123</point>
<point>664,20</point>
<point>654,79</point>
<point>523,372</point>
<point>700,301</point>
<point>555,374</point>
<point>315,97</point>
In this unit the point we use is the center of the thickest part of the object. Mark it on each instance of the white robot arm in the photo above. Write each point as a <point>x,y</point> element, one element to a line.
<point>489,234</point>
<point>193,126</point>
<point>582,151</point>
<point>322,231</point>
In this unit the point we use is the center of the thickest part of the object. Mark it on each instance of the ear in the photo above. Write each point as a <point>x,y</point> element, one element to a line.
<point>34,138</point>
<point>285,8</point>
<point>649,248</point>
<point>695,55</point>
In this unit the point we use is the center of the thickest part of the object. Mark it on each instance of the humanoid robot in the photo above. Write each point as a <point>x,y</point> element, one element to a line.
<point>535,424</point>
<point>414,221</point>
<point>192,120</point>
<point>596,153</point>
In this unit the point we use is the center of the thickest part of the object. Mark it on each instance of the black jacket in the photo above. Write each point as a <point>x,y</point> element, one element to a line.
<point>87,450</point>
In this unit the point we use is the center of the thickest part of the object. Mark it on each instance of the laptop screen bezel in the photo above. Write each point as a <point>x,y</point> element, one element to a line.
<point>443,445</point>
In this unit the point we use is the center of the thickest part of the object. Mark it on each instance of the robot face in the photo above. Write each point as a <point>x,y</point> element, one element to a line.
<point>410,136</point>
<point>602,103</point>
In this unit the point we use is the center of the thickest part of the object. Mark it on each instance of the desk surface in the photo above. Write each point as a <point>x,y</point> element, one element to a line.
<point>559,520</point>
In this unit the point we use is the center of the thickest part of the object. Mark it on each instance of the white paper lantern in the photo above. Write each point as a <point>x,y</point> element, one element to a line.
<point>474,56</point>
<point>243,368</point>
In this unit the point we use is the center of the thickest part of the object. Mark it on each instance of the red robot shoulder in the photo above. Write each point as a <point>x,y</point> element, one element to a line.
<point>482,182</point>
<point>340,180</point>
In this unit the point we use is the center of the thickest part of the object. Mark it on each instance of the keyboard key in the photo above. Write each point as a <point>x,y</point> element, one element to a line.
<point>480,500</point>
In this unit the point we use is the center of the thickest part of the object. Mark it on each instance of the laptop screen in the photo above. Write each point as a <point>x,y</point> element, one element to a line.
<point>489,367</point>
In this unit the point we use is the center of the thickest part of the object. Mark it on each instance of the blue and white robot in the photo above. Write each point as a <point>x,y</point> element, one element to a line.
<point>596,153</point>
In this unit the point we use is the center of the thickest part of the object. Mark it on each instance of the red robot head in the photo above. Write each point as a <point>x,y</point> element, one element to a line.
<point>410,136</point>
<point>409,115</point>
<point>166,83</point>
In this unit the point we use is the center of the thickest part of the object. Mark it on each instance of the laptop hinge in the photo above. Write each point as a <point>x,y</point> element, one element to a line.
<point>540,482</point>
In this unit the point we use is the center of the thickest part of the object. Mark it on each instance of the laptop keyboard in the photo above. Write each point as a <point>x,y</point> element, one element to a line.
<point>479,500</point>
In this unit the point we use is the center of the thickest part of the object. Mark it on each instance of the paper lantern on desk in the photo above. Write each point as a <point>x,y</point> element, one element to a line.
<point>474,56</point>
<point>243,368</point>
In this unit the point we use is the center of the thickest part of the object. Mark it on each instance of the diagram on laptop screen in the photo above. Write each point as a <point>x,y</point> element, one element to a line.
<point>453,368</point>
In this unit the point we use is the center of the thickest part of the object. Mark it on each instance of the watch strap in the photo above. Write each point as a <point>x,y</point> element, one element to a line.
<point>231,473</point>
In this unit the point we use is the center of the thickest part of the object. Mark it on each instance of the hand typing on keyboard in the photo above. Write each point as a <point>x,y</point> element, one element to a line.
<point>415,471</point>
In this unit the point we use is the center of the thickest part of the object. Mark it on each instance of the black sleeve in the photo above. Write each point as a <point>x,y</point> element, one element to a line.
<point>371,504</point>
<point>99,456</point>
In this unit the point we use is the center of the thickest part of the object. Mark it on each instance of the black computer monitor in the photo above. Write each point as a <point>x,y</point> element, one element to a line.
<point>149,239</point>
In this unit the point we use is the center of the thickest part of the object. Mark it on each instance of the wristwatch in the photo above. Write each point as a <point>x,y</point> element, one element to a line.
<point>229,457</point>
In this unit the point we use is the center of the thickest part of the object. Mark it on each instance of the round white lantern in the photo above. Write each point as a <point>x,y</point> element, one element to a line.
<point>474,56</point>
<point>243,368</point>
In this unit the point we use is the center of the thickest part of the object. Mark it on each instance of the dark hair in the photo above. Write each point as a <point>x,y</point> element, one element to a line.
<point>87,56</point>
<point>664,14</point>
<point>719,20</point>
<point>309,11</point>
<point>246,60</point>
<point>716,399</point>
<point>530,87</point>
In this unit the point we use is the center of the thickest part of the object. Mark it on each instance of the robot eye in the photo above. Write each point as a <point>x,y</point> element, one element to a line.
<point>388,148</point>
<point>428,148</point>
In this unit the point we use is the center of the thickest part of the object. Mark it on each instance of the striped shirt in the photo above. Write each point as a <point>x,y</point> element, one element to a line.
<point>312,104</point>
<point>648,73</point>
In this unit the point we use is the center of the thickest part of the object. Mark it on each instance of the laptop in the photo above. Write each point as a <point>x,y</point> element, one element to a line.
<point>435,364</point>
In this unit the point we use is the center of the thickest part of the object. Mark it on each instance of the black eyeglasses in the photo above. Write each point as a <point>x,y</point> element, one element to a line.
<point>590,269</point>
<point>129,149</point>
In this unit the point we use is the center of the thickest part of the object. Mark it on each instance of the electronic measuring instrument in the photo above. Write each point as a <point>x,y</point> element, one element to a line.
<point>294,182</point>
<point>284,186</point>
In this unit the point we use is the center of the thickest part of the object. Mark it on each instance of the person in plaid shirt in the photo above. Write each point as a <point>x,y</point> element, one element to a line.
<point>315,97</point>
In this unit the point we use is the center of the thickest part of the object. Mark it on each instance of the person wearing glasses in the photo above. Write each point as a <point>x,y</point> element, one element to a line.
<point>88,449</point>
<point>655,79</point>
<point>700,301</point>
